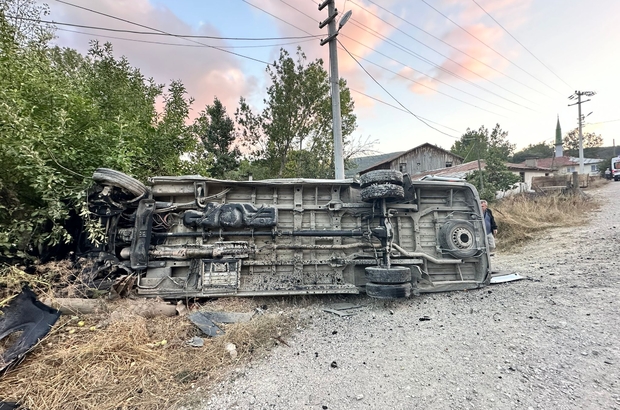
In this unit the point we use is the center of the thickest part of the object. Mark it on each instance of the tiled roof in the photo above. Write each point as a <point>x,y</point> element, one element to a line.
<point>554,162</point>
<point>522,167</point>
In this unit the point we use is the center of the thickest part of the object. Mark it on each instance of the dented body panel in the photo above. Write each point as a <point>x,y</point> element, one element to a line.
<point>191,236</point>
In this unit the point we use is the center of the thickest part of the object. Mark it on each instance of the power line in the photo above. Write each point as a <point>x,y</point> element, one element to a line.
<point>345,49</point>
<point>176,44</point>
<point>150,33</point>
<point>489,47</point>
<point>521,44</point>
<point>398,108</point>
<point>394,98</point>
<point>449,45</point>
<point>443,55</point>
<point>161,31</point>
<point>275,17</point>
<point>603,122</point>
<point>438,67</point>
<point>419,57</point>
<point>426,86</point>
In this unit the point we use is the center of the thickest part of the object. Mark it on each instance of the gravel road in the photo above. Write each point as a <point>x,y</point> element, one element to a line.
<point>547,342</point>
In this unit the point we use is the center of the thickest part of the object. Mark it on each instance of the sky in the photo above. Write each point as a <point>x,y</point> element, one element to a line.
<point>431,68</point>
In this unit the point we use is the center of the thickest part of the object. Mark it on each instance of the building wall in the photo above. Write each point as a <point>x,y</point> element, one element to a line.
<point>423,159</point>
<point>531,174</point>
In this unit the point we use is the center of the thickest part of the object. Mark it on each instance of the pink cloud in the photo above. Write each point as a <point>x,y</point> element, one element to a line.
<point>205,72</point>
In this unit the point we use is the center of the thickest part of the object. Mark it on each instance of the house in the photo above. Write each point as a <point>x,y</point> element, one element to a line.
<point>565,165</point>
<point>463,170</point>
<point>361,163</point>
<point>527,172</point>
<point>422,158</point>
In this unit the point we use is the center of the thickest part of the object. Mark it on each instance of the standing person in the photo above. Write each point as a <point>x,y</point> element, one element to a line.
<point>490,226</point>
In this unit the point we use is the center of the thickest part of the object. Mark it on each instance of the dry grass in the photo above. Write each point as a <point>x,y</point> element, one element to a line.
<point>523,217</point>
<point>118,361</point>
<point>125,365</point>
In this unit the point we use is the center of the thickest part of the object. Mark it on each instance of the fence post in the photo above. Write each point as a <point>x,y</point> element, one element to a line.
<point>575,181</point>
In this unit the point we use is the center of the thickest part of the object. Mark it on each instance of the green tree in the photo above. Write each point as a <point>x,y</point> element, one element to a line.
<point>472,145</point>
<point>494,148</point>
<point>571,141</point>
<point>61,116</point>
<point>216,131</point>
<point>540,150</point>
<point>297,117</point>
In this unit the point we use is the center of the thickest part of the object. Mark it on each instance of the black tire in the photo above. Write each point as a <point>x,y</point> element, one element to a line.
<point>381,176</point>
<point>458,238</point>
<point>118,179</point>
<point>382,191</point>
<point>394,274</point>
<point>382,291</point>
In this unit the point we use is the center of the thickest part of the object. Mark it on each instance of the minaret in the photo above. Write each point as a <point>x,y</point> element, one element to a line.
<point>558,140</point>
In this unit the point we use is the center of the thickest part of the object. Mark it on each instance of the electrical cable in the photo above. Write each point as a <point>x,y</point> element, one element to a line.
<point>430,88</point>
<point>176,44</point>
<point>603,122</point>
<point>445,56</point>
<point>161,31</point>
<point>447,44</point>
<point>423,59</point>
<point>399,109</point>
<point>276,17</point>
<point>150,33</point>
<point>521,44</point>
<point>394,98</point>
<point>490,48</point>
<point>438,67</point>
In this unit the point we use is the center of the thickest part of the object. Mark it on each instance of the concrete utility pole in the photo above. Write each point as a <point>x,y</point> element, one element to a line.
<point>578,95</point>
<point>335,86</point>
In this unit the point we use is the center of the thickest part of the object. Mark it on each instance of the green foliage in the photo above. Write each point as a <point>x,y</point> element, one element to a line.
<point>571,141</point>
<point>540,150</point>
<point>495,149</point>
<point>292,136</point>
<point>216,131</point>
<point>62,115</point>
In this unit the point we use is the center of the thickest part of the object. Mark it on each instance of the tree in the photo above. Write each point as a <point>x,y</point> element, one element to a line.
<point>62,115</point>
<point>495,149</point>
<point>571,141</point>
<point>540,150</point>
<point>297,117</point>
<point>216,131</point>
<point>24,17</point>
<point>472,145</point>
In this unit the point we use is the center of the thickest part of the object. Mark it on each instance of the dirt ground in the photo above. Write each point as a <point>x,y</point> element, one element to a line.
<point>549,341</point>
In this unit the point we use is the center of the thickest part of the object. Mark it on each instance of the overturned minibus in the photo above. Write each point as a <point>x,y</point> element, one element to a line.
<point>384,235</point>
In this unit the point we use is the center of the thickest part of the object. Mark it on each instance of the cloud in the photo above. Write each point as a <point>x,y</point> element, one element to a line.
<point>205,72</point>
<point>359,36</point>
<point>471,57</point>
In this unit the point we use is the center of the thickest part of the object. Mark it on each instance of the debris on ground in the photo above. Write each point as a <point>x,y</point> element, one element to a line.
<point>505,277</point>
<point>29,316</point>
<point>342,309</point>
<point>206,325</point>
